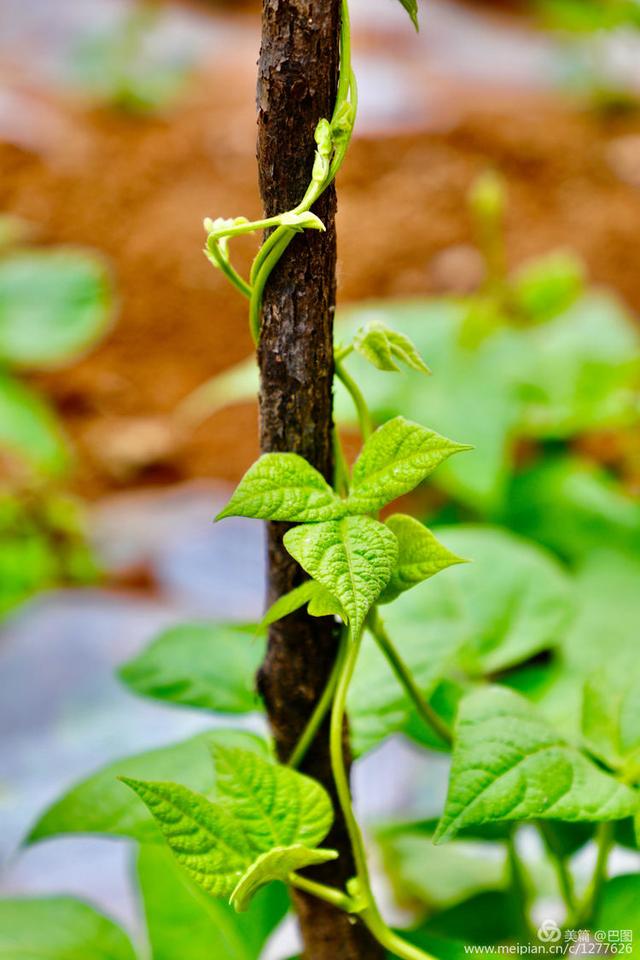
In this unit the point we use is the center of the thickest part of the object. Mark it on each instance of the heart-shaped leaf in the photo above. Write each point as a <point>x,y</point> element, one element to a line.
<point>509,764</point>
<point>394,460</point>
<point>283,486</point>
<point>207,665</point>
<point>420,556</point>
<point>259,805</point>
<point>353,558</point>
<point>206,838</point>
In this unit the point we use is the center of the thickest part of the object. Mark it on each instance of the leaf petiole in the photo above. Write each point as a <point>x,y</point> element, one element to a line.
<point>230,272</point>
<point>604,840</point>
<point>565,879</point>
<point>404,675</point>
<point>359,402</point>
<point>329,894</point>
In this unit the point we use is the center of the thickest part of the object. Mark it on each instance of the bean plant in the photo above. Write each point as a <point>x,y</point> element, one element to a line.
<point>521,671</point>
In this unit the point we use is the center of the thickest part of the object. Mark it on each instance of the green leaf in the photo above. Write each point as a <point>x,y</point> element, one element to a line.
<point>411,6</point>
<point>277,805</point>
<point>205,838</point>
<point>382,347</point>
<point>353,558</point>
<point>102,805</point>
<point>549,285</point>
<point>54,305</point>
<point>29,429</point>
<point>182,921</point>
<point>324,604</point>
<point>620,906</point>
<point>259,805</point>
<point>275,864</point>
<point>508,764</point>
<point>283,486</point>
<point>582,370</point>
<point>394,460</point>
<point>440,877</point>
<point>59,928</point>
<point>611,721</point>
<point>320,603</point>
<point>608,607</point>
<point>207,665</point>
<point>573,507</point>
<point>512,602</point>
<point>289,603</point>
<point>420,556</point>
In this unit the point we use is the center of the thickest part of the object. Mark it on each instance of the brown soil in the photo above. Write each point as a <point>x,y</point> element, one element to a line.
<point>138,189</point>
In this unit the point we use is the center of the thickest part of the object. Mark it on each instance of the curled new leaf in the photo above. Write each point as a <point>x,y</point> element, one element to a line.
<point>395,459</point>
<point>386,348</point>
<point>353,558</point>
<point>283,486</point>
<point>276,864</point>
<point>420,556</point>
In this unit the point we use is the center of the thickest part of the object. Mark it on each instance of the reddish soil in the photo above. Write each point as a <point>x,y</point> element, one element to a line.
<point>138,189</point>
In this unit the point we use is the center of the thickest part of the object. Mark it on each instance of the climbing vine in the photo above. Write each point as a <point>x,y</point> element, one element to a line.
<point>356,563</point>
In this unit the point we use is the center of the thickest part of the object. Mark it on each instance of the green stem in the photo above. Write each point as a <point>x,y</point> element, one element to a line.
<point>565,880</point>
<point>344,81</point>
<point>370,915</point>
<point>404,675</point>
<point>341,467</point>
<point>255,307</point>
<point>348,656</point>
<point>604,839</point>
<point>342,353</point>
<point>359,402</point>
<point>275,245</point>
<point>230,273</point>
<point>272,241</point>
<point>519,882</point>
<point>317,717</point>
<point>395,944</point>
<point>330,894</point>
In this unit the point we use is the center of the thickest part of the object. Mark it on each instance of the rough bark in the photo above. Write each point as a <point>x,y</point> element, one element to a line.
<point>297,82</point>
